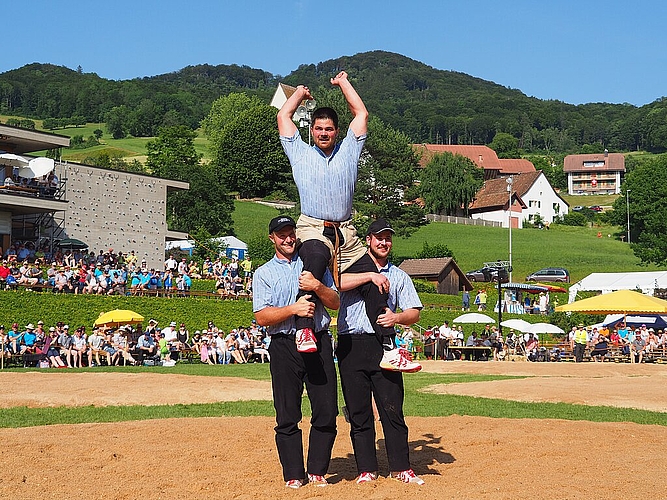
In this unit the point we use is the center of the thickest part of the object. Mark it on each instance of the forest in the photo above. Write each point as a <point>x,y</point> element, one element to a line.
<point>424,103</point>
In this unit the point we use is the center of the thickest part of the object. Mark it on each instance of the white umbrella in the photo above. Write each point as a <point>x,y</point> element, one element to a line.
<point>474,318</point>
<point>37,167</point>
<point>517,324</point>
<point>13,160</point>
<point>545,328</point>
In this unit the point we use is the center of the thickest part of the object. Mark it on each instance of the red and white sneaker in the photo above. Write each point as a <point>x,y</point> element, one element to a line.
<point>399,360</point>
<point>305,340</point>
<point>294,484</point>
<point>407,476</point>
<point>316,480</point>
<point>366,477</point>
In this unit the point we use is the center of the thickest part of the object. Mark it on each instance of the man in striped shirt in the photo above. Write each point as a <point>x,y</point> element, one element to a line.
<point>326,175</point>
<point>275,305</point>
<point>359,353</point>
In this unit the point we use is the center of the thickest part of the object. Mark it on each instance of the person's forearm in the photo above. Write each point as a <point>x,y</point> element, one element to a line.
<point>274,315</point>
<point>408,317</point>
<point>328,296</point>
<point>350,281</point>
<point>354,102</point>
<point>286,126</point>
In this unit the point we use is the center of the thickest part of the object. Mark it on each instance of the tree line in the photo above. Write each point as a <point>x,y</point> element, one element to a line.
<point>425,104</point>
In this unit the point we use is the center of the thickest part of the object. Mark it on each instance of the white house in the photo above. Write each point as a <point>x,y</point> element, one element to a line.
<point>531,195</point>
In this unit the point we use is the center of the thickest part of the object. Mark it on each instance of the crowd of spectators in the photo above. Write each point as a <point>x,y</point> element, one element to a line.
<point>600,344</point>
<point>110,273</point>
<point>58,347</point>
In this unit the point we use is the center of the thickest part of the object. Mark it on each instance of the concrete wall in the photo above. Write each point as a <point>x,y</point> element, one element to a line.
<point>119,210</point>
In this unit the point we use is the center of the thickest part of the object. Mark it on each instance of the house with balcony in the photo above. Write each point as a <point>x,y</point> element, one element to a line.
<point>104,208</point>
<point>594,173</point>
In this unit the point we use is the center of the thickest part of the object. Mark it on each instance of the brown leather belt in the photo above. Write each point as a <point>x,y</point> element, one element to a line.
<point>336,256</point>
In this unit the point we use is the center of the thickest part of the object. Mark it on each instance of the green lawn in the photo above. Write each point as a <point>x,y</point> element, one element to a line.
<point>417,403</point>
<point>576,248</point>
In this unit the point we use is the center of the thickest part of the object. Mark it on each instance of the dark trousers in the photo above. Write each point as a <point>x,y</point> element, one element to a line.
<point>290,370</point>
<point>360,375</point>
<point>578,352</point>
<point>316,255</point>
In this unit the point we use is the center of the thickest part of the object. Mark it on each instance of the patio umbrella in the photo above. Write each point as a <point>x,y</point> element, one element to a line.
<point>119,317</point>
<point>544,328</point>
<point>37,167</point>
<point>517,324</point>
<point>619,302</point>
<point>552,288</point>
<point>474,318</point>
<point>72,244</point>
<point>13,160</point>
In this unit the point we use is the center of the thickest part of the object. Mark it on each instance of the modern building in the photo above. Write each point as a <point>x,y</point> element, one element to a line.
<point>103,208</point>
<point>594,173</point>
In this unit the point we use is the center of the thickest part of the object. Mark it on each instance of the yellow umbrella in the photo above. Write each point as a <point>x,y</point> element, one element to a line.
<point>119,317</point>
<point>620,302</point>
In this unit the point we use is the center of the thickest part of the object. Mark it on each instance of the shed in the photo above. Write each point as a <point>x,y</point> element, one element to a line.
<point>443,272</point>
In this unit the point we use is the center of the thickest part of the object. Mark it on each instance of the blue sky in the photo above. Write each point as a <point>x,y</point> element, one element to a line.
<point>574,51</point>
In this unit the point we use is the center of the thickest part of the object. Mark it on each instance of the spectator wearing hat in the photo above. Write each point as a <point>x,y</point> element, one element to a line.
<point>28,339</point>
<point>637,348</point>
<point>579,343</point>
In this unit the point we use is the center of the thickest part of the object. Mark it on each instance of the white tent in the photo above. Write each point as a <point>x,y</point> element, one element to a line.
<point>647,282</point>
<point>234,247</point>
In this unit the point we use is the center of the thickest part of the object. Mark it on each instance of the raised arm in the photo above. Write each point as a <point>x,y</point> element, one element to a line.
<point>286,126</point>
<point>359,123</point>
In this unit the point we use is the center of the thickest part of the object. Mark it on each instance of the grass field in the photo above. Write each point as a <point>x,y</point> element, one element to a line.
<point>417,403</point>
<point>579,249</point>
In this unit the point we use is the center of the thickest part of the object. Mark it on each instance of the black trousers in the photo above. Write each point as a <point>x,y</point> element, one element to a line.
<point>290,370</point>
<point>316,255</point>
<point>360,375</point>
<point>578,352</point>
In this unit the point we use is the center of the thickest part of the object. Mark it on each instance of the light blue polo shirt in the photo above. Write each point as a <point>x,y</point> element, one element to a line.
<point>325,184</point>
<point>276,284</point>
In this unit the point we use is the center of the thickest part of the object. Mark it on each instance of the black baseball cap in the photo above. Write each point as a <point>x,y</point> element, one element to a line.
<point>378,226</point>
<point>277,223</point>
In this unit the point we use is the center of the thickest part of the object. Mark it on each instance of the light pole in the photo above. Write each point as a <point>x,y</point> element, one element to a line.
<point>510,180</point>
<point>303,113</point>
<point>627,209</point>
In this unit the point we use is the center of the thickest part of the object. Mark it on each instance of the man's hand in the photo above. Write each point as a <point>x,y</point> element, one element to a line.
<point>338,78</point>
<point>304,92</point>
<point>308,282</point>
<point>381,281</point>
<point>304,308</point>
<point>388,318</point>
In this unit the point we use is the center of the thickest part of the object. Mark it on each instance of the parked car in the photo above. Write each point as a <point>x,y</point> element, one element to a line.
<point>596,208</point>
<point>577,208</point>
<point>486,274</point>
<point>553,274</point>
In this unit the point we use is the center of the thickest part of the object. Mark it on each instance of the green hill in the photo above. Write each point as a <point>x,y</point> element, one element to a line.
<point>427,104</point>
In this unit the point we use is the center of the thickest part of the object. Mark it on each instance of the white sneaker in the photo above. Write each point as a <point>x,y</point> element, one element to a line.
<point>407,476</point>
<point>317,480</point>
<point>305,340</point>
<point>366,477</point>
<point>294,484</point>
<point>399,360</point>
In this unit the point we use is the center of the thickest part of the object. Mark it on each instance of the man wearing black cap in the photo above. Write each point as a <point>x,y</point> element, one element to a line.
<point>359,354</point>
<point>275,305</point>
